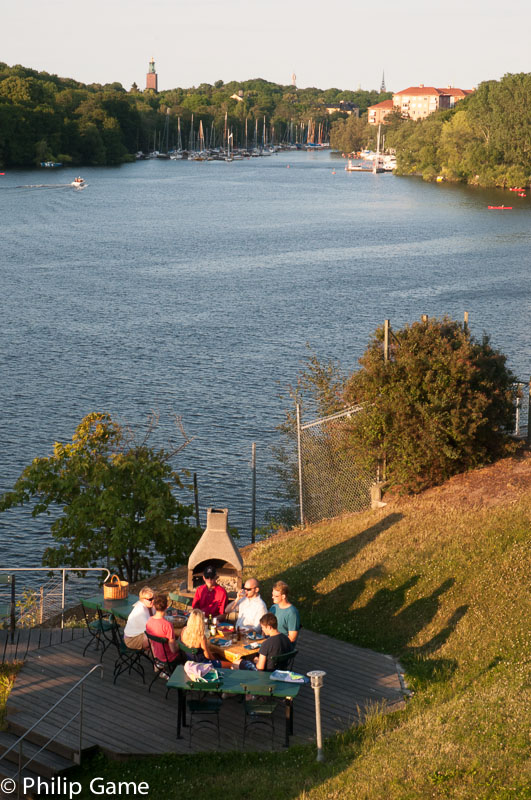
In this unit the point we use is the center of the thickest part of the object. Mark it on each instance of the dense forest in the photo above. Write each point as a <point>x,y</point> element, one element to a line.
<point>484,140</point>
<point>47,118</point>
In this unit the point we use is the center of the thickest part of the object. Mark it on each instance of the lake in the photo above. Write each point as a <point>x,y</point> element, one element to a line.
<point>193,288</point>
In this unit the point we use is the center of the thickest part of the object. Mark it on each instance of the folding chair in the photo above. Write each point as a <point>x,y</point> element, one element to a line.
<point>163,667</point>
<point>188,653</point>
<point>284,660</point>
<point>259,712</point>
<point>97,629</point>
<point>180,599</point>
<point>204,707</point>
<point>128,659</point>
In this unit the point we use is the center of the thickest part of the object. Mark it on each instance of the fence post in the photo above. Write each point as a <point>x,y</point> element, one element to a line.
<point>253,500</point>
<point>12,620</point>
<point>63,600</point>
<point>299,454</point>
<point>196,501</point>
<point>386,340</point>
<point>529,412</point>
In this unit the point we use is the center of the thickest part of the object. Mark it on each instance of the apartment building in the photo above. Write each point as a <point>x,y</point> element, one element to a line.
<point>417,102</point>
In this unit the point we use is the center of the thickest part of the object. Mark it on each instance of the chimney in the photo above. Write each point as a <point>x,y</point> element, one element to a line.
<point>216,546</point>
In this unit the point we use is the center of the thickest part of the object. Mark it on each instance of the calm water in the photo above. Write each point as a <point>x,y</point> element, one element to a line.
<point>192,288</point>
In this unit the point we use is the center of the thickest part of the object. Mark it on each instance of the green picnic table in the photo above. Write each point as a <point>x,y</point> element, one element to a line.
<point>120,608</point>
<point>235,681</point>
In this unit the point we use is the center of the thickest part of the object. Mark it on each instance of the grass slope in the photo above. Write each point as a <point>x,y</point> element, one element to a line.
<point>437,581</point>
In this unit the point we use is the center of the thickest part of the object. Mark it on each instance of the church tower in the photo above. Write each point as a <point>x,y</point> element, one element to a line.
<point>151,77</point>
<point>382,85</point>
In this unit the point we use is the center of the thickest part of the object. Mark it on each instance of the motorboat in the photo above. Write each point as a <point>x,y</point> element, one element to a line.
<point>78,182</point>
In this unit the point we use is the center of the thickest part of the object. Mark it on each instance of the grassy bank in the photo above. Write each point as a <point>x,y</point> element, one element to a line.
<point>442,582</point>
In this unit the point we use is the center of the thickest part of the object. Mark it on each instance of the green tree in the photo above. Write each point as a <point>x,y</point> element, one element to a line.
<point>349,135</point>
<point>116,497</point>
<point>440,405</point>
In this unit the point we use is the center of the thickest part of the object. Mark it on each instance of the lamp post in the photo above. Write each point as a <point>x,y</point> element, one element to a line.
<point>316,677</point>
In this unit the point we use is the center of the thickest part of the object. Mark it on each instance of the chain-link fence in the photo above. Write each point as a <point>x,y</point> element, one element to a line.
<point>330,482</point>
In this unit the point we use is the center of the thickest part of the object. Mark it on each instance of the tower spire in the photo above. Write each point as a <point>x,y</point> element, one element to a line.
<point>382,85</point>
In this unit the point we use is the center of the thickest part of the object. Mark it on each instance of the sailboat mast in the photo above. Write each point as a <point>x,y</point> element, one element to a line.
<point>376,162</point>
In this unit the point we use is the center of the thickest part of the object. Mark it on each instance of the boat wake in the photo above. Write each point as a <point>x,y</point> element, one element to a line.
<point>52,186</point>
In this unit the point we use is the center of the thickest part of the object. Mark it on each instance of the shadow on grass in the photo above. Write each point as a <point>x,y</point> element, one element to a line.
<point>386,623</point>
<point>305,576</point>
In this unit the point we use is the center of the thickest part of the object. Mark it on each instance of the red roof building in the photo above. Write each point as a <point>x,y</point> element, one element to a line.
<point>378,112</point>
<point>417,102</point>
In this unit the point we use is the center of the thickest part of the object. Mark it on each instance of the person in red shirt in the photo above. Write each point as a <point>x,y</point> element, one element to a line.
<point>158,625</point>
<point>210,597</point>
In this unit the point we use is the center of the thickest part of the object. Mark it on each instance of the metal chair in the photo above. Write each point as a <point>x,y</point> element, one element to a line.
<point>97,629</point>
<point>163,667</point>
<point>188,653</point>
<point>204,707</point>
<point>128,660</point>
<point>180,599</point>
<point>259,712</point>
<point>284,660</point>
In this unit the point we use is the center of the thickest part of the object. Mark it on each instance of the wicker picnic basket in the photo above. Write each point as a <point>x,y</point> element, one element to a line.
<point>115,589</point>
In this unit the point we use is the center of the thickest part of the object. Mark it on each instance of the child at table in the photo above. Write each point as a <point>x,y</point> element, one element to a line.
<point>158,625</point>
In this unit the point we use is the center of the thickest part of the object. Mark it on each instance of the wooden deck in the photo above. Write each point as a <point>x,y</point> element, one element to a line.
<point>118,717</point>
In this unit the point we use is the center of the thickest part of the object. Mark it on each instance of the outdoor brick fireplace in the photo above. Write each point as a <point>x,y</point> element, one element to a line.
<point>216,547</point>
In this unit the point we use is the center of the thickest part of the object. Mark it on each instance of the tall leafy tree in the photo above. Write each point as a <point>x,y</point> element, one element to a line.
<point>116,497</point>
<point>440,405</point>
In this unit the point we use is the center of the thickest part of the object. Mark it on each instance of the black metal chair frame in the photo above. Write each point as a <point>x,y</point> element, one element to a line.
<point>128,660</point>
<point>186,651</point>
<point>97,629</point>
<point>284,660</point>
<point>259,712</point>
<point>165,667</point>
<point>204,706</point>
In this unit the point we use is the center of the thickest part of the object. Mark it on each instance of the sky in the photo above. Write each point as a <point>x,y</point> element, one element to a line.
<point>326,43</point>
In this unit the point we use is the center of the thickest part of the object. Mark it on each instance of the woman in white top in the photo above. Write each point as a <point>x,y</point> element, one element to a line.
<point>135,629</point>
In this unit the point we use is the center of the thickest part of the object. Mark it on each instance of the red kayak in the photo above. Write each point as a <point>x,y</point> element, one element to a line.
<point>500,208</point>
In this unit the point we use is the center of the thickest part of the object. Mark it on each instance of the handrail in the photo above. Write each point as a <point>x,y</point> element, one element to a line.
<point>79,714</point>
<point>64,570</point>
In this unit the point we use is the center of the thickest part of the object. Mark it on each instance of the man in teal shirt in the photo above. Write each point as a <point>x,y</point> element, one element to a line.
<point>287,615</point>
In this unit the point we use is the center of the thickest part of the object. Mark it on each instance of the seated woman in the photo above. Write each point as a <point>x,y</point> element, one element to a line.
<point>193,635</point>
<point>157,625</point>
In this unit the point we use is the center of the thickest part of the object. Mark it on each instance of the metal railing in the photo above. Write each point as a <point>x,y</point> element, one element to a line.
<point>63,571</point>
<point>77,715</point>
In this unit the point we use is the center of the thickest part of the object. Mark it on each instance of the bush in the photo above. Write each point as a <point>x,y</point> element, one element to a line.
<point>439,406</point>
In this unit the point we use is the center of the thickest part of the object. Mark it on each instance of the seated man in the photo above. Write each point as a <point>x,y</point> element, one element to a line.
<point>157,625</point>
<point>210,597</point>
<point>249,605</point>
<point>275,645</point>
<point>287,615</point>
<point>134,631</point>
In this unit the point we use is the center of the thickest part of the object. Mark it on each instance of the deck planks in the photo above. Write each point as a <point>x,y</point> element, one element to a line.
<point>115,715</point>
